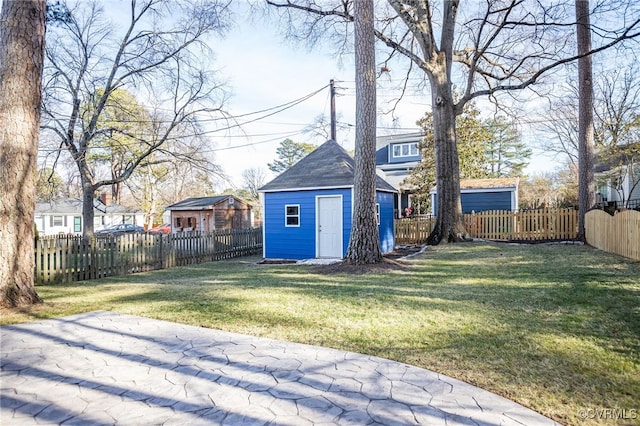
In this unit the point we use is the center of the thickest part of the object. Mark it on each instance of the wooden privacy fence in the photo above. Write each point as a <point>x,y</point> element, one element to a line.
<point>619,234</point>
<point>68,259</point>
<point>500,225</point>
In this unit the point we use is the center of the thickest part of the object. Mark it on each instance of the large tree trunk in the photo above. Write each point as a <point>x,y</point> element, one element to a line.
<point>449,225</point>
<point>364,244</point>
<point>21,60</point>
<point>586,181</point>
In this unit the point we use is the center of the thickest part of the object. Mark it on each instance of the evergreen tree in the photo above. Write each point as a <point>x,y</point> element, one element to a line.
<point>506,153</point>
<point>473,140</point>
<point>289,153</point>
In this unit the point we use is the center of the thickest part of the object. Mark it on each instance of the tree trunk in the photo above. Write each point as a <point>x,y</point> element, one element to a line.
<point>21,60</point>
<point>449,225</point>
<point>586,181</point>
<point>364,244</point>
<point>88,194</point>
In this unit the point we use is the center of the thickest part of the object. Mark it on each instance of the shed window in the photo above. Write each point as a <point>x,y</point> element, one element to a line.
<point>378,213</point>
<point>292,215</point>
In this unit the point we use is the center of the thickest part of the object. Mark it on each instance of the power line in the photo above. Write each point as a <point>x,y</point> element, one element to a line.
<point>278,108</point>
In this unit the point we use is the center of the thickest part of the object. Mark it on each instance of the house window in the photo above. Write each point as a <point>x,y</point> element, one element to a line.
<point>292,215</point>
<point>378,213</point>
<point>57,220</point>
<point>406,149</point>
<point>231,201</point>
<point>77,224</point>
<point>178,222</point>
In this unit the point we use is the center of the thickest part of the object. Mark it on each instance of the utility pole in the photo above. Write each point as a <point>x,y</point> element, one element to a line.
<point>333,109</point>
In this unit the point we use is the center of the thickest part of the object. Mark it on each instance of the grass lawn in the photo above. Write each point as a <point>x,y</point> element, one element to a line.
<point>553,327</point>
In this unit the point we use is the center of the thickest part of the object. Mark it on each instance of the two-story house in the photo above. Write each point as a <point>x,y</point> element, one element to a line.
<point>396,156</point>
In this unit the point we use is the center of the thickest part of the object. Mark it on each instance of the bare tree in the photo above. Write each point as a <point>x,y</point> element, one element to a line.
<point>560,123</point>
<point>22,34</point>
<point>496,46</point>
<point>616,122</point>
<point>253,179</point>
<point>157,55</point>
<point>364,242</point>
<point>183,161</point>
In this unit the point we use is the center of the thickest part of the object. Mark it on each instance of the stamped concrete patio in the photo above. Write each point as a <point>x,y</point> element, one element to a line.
<point>103,368</point>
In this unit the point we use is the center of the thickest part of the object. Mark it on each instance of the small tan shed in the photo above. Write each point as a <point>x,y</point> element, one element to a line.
<point>205,214</point>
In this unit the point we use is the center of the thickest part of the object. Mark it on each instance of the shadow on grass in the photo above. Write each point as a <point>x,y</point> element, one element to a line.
<point>551,322</point>
<point>530,287</point>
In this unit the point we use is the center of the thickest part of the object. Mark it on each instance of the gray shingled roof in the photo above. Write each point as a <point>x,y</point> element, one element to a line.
<point>328,166</point>
<point>74,206</point>
<point>198,203</point>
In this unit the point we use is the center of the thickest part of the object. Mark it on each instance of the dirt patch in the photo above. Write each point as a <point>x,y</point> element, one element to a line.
<point>404,251</point>
<point>391,261</point>
<point>347,268</point>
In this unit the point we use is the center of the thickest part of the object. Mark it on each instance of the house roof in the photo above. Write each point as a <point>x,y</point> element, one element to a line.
<point>202,203</point>
<point>328,166</point>
<point>74,206</point>
<point>505,183</point>
<point>619,157</point>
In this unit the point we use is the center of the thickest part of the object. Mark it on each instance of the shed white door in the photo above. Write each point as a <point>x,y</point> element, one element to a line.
<point>329,230</point>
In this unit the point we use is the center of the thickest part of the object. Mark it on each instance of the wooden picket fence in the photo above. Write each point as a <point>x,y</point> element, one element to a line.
<point>530,225</point>
<point>70,258</point>
<point>619,234</point>
<point>500,225</point>
<point>414,231</point>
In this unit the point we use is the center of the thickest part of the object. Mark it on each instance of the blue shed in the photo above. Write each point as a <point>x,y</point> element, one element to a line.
<point>478,195</point>
<point>308,208</point>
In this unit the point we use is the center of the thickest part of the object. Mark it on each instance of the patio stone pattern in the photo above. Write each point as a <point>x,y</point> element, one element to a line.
<point>103,368</point>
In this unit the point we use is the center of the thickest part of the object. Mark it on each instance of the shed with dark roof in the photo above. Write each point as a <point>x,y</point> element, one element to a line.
<point>206,214</point>
<point>308,208</point>
<point>479,195</point>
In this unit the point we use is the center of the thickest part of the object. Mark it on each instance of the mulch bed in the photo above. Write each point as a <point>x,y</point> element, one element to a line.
<point>391,261</point>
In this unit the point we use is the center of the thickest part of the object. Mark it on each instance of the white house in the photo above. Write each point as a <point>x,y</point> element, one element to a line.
<point>621,187</point>
<point>618,180</point>
<point>64,216</point>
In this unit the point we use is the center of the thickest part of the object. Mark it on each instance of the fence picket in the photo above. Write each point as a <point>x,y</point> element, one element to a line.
<point>499,225</point>
<point>67,259</point>
<point>618,234</point>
